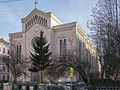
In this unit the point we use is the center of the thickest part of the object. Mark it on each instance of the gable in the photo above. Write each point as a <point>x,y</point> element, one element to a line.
<point>35,11</point>
<point>35,17</point>
<point>41,18</point>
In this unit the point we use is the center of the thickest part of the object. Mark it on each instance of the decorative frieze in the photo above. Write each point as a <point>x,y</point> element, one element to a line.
<point>34,20</point>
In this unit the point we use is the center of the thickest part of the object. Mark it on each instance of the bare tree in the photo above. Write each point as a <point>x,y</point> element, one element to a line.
<point>15,63</point>
<point>105,32</point>
<point>61,64</point>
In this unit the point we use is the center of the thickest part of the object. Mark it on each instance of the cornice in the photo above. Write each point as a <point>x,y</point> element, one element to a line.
<point>86,40</point>
<point>63,29</point>
<point>63,26</point>
<point>80,30</point>
<point>90,43</point>
<point>16,35</point>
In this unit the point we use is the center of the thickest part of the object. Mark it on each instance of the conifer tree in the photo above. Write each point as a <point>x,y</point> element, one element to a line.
<point>41,56</point>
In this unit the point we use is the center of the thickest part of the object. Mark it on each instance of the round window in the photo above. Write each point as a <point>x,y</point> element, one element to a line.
<point>36,29</point>
<point>33,41</point>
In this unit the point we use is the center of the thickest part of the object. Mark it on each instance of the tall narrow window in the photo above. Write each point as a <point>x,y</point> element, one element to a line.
<point>3,68</point>
<point>79,50</point>
<point>17,52</point>
<point>3,50</point>
<point>3,77</point>
<point>20,52</point>
<point>46,22</point>
<point>87,53</point>
<point>7,78</point>
<point>8,52</point>
<point>83,46</point>
<point>61,47</point>
<point>65,46</point>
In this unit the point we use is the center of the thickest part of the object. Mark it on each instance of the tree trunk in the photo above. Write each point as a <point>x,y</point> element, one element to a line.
<point>41,76</point>
<point>15,79</point>
<point>84,78</point>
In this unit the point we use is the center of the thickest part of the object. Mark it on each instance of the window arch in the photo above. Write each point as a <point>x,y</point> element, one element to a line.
<point>18,51</point>
<point>63,46</point>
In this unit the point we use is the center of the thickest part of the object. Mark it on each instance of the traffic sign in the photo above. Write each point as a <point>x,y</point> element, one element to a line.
<point>71,72</point>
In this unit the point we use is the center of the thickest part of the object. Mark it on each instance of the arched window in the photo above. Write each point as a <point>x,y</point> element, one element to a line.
<point>65,46</point>
<point>7,78</point>
<point>61,47</point>
<point>3,50</point>
<point>25,26</point>
<point>3,77</point>
<point>3,68</point>
<point>79,50</point>
<point>17,52</point>
<point>20,52</point>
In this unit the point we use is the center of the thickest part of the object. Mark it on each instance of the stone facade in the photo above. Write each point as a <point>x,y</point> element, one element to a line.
<point>4,50</point>
<point>56,32</point>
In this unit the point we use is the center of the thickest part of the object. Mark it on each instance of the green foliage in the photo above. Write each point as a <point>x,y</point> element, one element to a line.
<point>27,87</point>
<point>40,59</point>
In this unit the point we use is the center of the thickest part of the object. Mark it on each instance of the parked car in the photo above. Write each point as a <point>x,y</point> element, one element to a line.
<point>52,87</point>
<point>98,88</point>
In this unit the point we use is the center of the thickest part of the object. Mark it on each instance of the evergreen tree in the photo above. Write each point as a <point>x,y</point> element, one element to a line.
<point>41,56</point>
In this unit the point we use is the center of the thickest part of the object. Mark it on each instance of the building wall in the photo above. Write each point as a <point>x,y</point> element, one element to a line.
<point>4,73</point>
<point>54,31</point>
<point>61,34</point>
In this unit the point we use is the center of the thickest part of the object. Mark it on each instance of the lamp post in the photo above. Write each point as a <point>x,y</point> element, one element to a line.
<point>59,81</point>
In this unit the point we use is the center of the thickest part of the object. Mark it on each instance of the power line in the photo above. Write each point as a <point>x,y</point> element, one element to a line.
<point>6,1</point>
<point>47,10</point>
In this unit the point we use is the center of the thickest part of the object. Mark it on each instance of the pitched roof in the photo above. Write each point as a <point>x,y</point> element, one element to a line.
<point>3,41</point>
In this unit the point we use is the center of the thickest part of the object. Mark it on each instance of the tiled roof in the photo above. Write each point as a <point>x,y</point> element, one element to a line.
<point>3,41</point>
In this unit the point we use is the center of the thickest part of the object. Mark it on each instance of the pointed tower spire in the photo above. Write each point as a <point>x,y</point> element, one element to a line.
<point>35,3</point>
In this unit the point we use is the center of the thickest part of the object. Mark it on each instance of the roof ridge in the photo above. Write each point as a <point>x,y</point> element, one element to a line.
<point>3,41</point>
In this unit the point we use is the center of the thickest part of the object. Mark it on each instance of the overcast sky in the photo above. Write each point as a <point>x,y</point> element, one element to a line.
<point>65,10</point>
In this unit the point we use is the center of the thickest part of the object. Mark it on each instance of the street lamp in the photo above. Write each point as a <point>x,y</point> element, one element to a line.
<point>59,81</point>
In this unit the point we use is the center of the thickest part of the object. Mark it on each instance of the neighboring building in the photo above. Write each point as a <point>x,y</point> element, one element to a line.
<point>62,37</point>
<point>4,50</point>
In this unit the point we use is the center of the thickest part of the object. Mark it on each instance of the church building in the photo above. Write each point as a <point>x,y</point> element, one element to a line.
<point>62,37</point>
